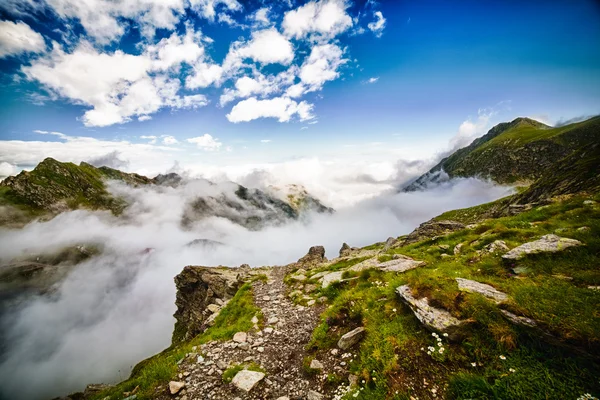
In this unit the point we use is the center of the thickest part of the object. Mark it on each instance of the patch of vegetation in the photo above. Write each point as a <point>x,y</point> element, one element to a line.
<point>232,371</point>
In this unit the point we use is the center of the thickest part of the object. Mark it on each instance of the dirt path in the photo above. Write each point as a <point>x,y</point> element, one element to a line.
<point>278,348</point>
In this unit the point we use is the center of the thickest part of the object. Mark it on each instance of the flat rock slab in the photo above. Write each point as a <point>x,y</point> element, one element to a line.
<point>401,264</point>
<point>433,318</point>
<point>546,244</point>
<point>519,320</point>
<point>246,380</point>
<point>488,291</point>
<point>366,264</point>
<point>331,277</point>
<point>351,338</point>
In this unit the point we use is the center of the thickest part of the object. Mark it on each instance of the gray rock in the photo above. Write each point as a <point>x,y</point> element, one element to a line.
<point>345,250</point>
<point>240,337</point>
<point>497,246</point>
<point>351,338</point>
<point>319,275</point>
<point>488,291</point>
<point>314,257</point>
<point>400,264</point>
<point>331,277</point>
<point>546,244</point>
<point>433,228</point>
<point>222,364</point>
<point>389,243</point>
<point>444,247</point>
<point>457,249</point>
<point>175,387</point>
<point>366,264</point>
<point>316,364</point>
<point>312,395</point>
<point>589,202</point>
<point>518,320</point>
<point>213,308</point>
<point>433,318</point>
<point>246,380</point>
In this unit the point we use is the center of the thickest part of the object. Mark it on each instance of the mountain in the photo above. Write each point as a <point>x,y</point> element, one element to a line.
<point>54,186</point>
<point>518,152</point>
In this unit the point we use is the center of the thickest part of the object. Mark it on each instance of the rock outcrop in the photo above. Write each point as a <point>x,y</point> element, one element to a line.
<point>432,318</point>
<point>430,229</point>
<point>197,289</point>
<point>314,257</point>
<point>546,244</point>
<point>488,291</point>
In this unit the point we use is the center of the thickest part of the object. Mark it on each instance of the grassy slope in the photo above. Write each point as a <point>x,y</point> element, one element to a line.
<point>390,360</point>
<point>522,150</point>
<point>155,372</point>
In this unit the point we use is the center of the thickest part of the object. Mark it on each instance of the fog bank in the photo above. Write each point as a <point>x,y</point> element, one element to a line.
<point>115,309</point>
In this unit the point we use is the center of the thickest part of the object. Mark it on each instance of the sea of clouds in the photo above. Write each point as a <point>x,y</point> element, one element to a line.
<point>116,309</point>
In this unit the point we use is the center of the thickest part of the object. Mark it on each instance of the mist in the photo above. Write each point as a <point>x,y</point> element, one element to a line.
<point>115,309</point>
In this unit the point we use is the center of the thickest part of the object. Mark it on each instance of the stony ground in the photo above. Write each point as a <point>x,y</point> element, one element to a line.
<point>278,348</point>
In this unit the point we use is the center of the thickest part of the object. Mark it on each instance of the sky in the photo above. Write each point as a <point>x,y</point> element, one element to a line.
<point>228,87</point>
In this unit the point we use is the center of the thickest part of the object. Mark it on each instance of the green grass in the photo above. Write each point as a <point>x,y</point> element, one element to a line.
<point>158,370</point>
<point>561,363</point>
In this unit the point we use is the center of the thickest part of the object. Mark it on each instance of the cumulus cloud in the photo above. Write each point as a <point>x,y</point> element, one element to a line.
<point>7,169</point>
<point>118,86</point>
<point>17,38</point>
<point>324,19</point>
<point>206,142</point>
<point>267,46</point>
<point>281,108</point>
<point>321,66</point>
<point>108,304</point>
<point>113,160</point>
<point>378,25</point>
<point>472,128</point>
<point>168,140</point>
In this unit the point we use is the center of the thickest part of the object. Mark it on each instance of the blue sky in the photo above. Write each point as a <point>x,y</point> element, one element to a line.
<point>384,80</point>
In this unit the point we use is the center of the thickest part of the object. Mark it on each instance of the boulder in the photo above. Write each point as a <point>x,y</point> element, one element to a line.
<point>488,291</point>
<point>366,264</point>
<point>345,250</point>
<point>519,320</point>
<point>240,337</point>
<point>497,246</point>
<point>312,395</point>
<point>389,243</point>
<point>246,380</point>
<point>546,244</point>
<point>351,338</point>
<point>314,257</point>
<point>330,278</point>
<point>458,248</point>
<point>432,228</point>
<point>400,264</point>
<point>432,318</point>
<point>316,364</point>
<point>175,387</point>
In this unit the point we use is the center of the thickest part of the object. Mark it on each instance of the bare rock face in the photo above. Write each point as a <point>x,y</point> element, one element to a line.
<point>432,318</point>
<point>488,291</point>
<point>331,277</point>
<point>314,257</point>
<point>400,264</point>
<point>497,246</point>
<point>197,288</point>
<point>432,228</point>
<point>351,338</point>
<point>345,250</point>
<point>389,243</point>
<point>546,244</point>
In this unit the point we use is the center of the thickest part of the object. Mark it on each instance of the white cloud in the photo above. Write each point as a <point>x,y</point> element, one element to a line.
<point>7,169</point>
<point>102,19</point>
<point>173,51</point>
<point>17,38</point>
<point>372,80</point>
<point>266,141</point>
<point>206,142</point>
<point>208,8</point>
<point>281,108</point>
<point>324,18</point>
<point>265,47</point>
<point>470,129</point>
<point>142,118</point>
<point>204,74</point>
<point>378,25</point>
<point>118,86</point>
<point>321,66</point>
<point>168,140</point>
<point>261,17</point>
<point>59,134</point>
<point>152,138</point>
<point>259,85</point>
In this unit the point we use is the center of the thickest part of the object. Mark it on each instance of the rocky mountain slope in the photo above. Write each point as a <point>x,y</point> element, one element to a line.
<point>53,187</point>
<point>503,308</point>
<point>521,151</point>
